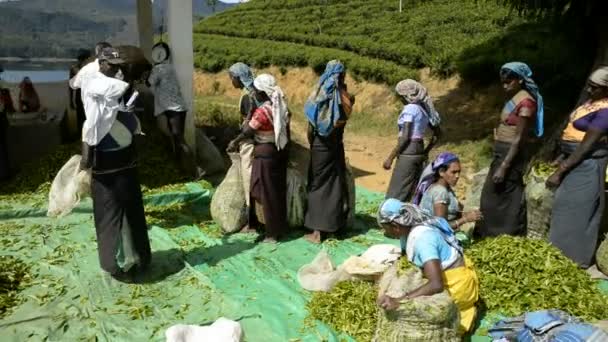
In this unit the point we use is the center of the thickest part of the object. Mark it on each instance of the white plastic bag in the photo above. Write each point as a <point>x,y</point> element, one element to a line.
<point>68,188</point>
<point>320,274</point>
<point>222,330</point>
<point>296,198</point>
<point>228,207</point>
<point>382,254</point>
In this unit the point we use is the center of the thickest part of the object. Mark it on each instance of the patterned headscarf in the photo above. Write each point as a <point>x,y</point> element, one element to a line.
<point>409,215</point>
<point>280,114</point>
<point>414,92</point>
<point>323,106</point>
<point>600,76</point>
<point>426,179</point>
<point>243,73</point>
<point>523,70</point>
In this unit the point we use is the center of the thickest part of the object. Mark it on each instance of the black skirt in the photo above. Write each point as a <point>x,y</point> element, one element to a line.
<point>503,205</point>
<point>120,221</point>
<point>407,171</point>
<point>327,209</point>
<point>269,188</point>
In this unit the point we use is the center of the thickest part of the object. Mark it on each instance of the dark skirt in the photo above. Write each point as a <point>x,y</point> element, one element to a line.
<point>269,188</point>
<point>503,205</point>
<point>4,162</point>
<point>120,222</point>
<point>328,207</point>
<point>578,207</point>
<point>407,170</point>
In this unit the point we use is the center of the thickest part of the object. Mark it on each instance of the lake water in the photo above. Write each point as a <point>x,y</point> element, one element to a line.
<point>38,72</point>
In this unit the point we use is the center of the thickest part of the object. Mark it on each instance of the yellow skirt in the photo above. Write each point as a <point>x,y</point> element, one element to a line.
<point>463,286</point>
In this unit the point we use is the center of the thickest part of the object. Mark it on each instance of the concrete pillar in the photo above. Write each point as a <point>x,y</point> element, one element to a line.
<point>179,27</point>
<point>145,26</point>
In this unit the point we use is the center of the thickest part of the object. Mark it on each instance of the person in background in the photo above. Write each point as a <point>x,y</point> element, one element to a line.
<point>108,151</point>
<point>29,102</point>
<point>502,197</point>
<point>75,94</point>
<point>6,104</point>
<point>327,111</point>
<point>417,115</point>
<point>578,205</point>
<point>432,246</point>
<point>269,127</point>
<point>435,191</point>
<point>168,102</point>
<point>242,77</point>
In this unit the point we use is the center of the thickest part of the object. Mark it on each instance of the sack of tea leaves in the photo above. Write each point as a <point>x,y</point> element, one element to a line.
<point>296,198</point>
<point>321,274</point>
<point>427,318</point>
<point>601,256</point>
<point>228,207</point>
<point>352,196</point>
<point>69,186</point>
<point>208,157</point>
<point>539,201</point>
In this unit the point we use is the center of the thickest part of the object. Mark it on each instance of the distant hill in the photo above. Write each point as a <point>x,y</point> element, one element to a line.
<point>58,28</point>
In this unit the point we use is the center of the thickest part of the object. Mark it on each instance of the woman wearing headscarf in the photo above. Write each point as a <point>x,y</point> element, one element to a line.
<point>430,244</point>
<point>29,101</point>
<point>435,191</point>
<point>502,197</point>
<point>242,77</point>
<point>108,151</point>
<point>327,111</point>
<point>417,115</point>
<point>269,127</point>
<point>578,204</point>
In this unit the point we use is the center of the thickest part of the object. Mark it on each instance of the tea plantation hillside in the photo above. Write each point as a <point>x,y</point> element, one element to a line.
<point>468,37</point>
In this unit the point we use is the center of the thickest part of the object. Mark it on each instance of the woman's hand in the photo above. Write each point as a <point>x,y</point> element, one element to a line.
<point>554,180</point>
<point>387,303</point>
<point>232,146</point>
<point>388,163</point>
<point>499,175</point>
<point>472,216</point>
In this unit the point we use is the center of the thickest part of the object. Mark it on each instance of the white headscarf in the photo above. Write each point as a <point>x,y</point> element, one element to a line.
<point>280,115</point>
<point>414,92</point>
<point>600,76</point>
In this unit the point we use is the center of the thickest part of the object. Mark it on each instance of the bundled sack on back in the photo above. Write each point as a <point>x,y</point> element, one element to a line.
<point>228,208</point>
<point>69,186</point>
<point>426,318</point>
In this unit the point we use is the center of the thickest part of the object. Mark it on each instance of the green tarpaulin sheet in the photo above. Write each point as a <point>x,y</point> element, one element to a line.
<point>197,275</point>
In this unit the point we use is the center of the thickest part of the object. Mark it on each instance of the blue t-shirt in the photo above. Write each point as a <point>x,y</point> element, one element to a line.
<point>415,115</point>
<point>430,245</point>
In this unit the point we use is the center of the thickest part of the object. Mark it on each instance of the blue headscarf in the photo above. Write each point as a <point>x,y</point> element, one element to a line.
<point>426,179</point>
<point>323,107</point>
<point>524,71</point>
<point>243,72</point>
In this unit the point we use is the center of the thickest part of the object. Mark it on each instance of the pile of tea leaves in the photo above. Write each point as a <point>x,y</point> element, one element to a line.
<point>14,277</point>
<point>518,275</point>
<point>350,308</point>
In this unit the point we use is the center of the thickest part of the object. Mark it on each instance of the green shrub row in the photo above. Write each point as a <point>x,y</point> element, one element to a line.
<point>214,53</point>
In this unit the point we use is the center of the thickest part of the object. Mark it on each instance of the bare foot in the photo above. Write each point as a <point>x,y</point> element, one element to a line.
<point>314,237</point>
<point>246,229</point>
<point>269,240</point>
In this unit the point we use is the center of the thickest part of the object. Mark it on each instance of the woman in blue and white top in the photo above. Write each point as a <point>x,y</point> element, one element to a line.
<point>417,115</point>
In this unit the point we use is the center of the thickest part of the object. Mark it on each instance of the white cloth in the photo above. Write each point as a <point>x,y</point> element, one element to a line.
<point>280,114</point>
<point>167,93</point>
<point>100,98</point>
<point>84,75</point>
<point>222,330</point>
